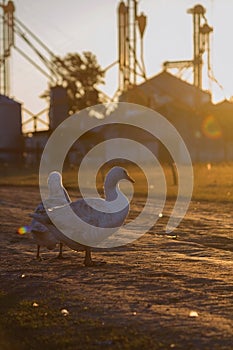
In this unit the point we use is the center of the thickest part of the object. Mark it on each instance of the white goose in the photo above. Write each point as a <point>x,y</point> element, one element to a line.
<point>97,212</point>
<point>41,234</point>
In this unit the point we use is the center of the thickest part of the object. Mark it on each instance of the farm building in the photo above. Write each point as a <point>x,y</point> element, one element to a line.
<point>11,138</point>
<point>202,125</point>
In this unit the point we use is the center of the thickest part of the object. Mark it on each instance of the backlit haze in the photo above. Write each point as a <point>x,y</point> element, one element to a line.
<point>90,25</point>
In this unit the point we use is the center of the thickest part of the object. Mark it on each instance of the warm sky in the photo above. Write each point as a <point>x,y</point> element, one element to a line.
<point>91,25</point>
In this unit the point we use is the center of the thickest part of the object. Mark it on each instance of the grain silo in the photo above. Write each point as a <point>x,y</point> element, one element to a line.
<point>59,109</point>
<point>11,140</point>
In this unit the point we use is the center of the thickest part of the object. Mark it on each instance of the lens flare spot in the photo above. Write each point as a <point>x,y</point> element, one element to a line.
<point>23,229</point>
<point>211,128</point>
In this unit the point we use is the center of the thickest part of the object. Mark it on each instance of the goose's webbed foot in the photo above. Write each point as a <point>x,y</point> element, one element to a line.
<point>88,260</point>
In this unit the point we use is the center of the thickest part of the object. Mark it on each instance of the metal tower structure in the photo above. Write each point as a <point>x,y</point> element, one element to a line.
<point>12,33</point>
<point>9,29</point>
<point>6,43</point>
<point>200,41</point>
<point>129,23</point>
<point>201,44</point>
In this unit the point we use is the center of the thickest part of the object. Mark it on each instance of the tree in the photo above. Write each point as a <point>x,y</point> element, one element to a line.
<point>80,75</point>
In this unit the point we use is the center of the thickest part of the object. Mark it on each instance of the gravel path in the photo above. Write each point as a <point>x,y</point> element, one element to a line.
<point>161,292</point>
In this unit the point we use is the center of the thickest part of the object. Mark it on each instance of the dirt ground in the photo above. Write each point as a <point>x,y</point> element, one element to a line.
<point>161,292</point>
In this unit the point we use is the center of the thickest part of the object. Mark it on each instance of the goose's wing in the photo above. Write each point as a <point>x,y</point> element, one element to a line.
<point>54,231</point>
<point>51,202</point>
<point>85,210</point>
<point>73,231</point>
<point>72,244</point>
<point>46,239</point>
<point>40,232</point>
<point>100,213</point>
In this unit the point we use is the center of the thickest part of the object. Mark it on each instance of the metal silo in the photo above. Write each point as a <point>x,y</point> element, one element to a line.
<point>59,109</point>
<point>11,140</point>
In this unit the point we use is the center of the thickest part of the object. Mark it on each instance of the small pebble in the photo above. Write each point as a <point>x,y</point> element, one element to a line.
<point>193,314</point>
<point>64,312</point>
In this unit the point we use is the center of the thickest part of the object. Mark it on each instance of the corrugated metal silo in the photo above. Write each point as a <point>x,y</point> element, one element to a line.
<point>11,140</point>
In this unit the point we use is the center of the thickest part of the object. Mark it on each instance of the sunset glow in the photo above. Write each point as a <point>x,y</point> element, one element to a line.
<point>92,26</point>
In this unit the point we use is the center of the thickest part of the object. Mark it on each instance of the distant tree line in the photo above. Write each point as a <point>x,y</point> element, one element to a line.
<point>80,75</point>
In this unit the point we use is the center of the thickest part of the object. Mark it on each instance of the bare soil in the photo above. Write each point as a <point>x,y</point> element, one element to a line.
<point>161,292</point>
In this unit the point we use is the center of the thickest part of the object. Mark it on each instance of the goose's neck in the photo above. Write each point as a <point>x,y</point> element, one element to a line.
<point>111,190</point>
<point>55,191</point>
